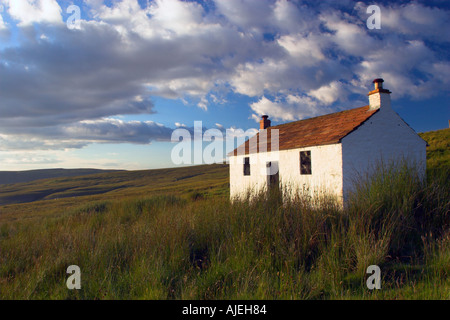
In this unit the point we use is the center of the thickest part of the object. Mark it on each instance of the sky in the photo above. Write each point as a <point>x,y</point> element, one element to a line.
<point>108,88</point>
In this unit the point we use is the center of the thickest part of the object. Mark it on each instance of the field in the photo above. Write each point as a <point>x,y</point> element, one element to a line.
<point>11,177</point>
<point>173,234</point>
<point>438,152</point>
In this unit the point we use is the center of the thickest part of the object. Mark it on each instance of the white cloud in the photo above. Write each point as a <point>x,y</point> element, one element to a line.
<point>82,133</point>
<point>292,17</point>
<point>28,159</point>
<point>34,11</point>
<point>252,79</point>
<point>415,19</point>
<point>115,130</point>
<point>2,23</point>
<point>293,107</point>
<point>176,16</point>
<point>305,50</point>
<point>249,15</point>
<point>349,35</point>
<point>407,69</point>
<point>296,59</point>
<point>328,94</point>
<point>274,109</point>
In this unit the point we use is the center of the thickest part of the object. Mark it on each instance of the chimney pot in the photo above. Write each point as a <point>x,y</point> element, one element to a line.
<point>264,123</point>
<point>379,97</point>
<point>378,83</point>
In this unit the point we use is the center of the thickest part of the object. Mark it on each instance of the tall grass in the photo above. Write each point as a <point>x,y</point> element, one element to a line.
<point>262,247</point>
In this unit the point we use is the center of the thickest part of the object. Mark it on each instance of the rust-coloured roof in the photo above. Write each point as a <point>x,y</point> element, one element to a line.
<point>326,129</point>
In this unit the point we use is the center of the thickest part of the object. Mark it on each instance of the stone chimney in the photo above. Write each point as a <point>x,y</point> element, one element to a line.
<point>379,98</point>
<point>264,123</point>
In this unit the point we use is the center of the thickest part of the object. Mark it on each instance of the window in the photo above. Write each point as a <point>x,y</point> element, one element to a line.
<point>246,166</point>
<point>305,162</point>
<point>273,178</point>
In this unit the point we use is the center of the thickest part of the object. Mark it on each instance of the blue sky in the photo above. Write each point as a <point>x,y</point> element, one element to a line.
<point>110,92</point>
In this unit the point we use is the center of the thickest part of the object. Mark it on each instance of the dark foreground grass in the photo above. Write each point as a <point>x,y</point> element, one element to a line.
<point>196,247</point>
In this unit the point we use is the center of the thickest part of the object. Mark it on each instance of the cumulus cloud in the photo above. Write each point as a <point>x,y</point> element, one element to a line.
<point>415,20</point>
<point>114,130</point>
<point>289,108</point>
<point>294,59</point>
<point>246,15</point>
<point>21,159</point>
<point>79,134</point>
<point>27,12</point>
<point>21,142</point>
<point>328,94</point>
<point>2,23</point>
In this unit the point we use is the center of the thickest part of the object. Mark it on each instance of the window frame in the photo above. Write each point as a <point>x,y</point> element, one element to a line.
<point>246,166</point>
<point>305,162</point>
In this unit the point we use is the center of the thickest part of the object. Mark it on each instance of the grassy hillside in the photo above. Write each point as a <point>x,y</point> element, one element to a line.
<point>9,177</point>
<point>178,247</point>
<point>438,151</point>
<point>174,234</point>
<point>207,178</point>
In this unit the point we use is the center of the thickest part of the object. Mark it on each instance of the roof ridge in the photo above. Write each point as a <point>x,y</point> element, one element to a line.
<point>321,130</point>
<point>316,117</point>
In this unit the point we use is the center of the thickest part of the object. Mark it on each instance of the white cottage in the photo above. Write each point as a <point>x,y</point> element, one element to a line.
<point>326,153</point>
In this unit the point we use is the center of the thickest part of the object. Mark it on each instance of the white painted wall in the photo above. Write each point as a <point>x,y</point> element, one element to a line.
<point>326,167</point>
<point>383,138</point>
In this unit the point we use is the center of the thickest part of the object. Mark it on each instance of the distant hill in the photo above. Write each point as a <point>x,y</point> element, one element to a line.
<point>9,177</point>
<point>438,151</point>
<point>199,180</point>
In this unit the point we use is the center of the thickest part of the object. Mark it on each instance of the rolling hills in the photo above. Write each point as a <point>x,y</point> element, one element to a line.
<point>121,183</point>
<point>10,177</point>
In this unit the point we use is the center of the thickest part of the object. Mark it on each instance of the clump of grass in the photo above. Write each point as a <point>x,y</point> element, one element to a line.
<point>4,230</point>
<point>196,195</point>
